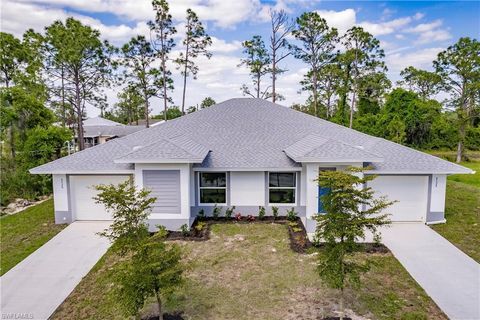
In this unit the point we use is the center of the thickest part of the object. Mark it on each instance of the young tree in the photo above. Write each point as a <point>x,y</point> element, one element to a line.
<point>207,102</point>
<point>317,45</point>
<point>164,31</point>
<point>76,54</point>
<point>459,68</point>
<point>150,267</point>
<point>281,28</point>
<point>196,42</point>
<point>12,56</point>
<point>258,63</point>
<point>424,83</point>
<point>365,57</point>
<point>351,209</point>
<point>138,58</point>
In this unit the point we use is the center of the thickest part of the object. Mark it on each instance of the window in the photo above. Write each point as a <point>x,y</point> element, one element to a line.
<point>213,187</point>
<point>281,187</point>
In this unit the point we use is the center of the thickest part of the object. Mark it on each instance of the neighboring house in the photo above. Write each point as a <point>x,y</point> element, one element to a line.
<point>151,122</point>
<point>246,153</point>
<point>99,130</point>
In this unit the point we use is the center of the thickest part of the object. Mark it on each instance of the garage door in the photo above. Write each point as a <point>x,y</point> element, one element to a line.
<point>411,192</point>
<point>82,193</point>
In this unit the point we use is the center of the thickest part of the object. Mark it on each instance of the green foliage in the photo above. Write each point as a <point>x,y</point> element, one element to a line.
<point>200,226</point>
<point>216,212</point>
<point>261,213</point>
<point>229,212</point>
<point>207,102</point>
<point>154,269</point>
<point>424,83</point>
<point>258,63</point>
<point>291,214</point>
<point>130,210</point>
<point>351,209</point>
<point>195,42</point>
<point>275,212</point>
<point>201,214</point>
<point>185,230</point>
<point>149,266</point>
<point>172,113</point>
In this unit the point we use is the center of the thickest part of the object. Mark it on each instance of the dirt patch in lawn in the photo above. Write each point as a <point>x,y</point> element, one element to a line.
<point>249,271</point>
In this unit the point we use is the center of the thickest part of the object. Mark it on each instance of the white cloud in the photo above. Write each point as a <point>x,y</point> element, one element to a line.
<point>387,27</point>
<point>430,32</point>
<point>399,60</point>
<point>342,20</point>
<point>220,45</point>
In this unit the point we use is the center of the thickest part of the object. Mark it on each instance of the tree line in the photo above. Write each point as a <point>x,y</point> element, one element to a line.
<point>347,83</point>
<point>48,78</point>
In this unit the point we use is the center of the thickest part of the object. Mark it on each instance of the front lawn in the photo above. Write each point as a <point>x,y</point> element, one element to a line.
<point>248,271</point>
<point>26,231</point>
<point>462,211</point>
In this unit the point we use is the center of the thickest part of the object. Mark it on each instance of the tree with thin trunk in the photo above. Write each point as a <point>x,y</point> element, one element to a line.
<point>258,63</point>
<point>163,42</point>
<point>459,68</point>
<point>149,266</point>
<point>207,102</point>
<point>351,208</point>
<point>366,57</point>
<point>130,106</point>
<point>425,83</point>
<point>76,52</point>
<point>138,58</point>
<point>195,42</point>
<point>317,47</point>
<point>282,26</point>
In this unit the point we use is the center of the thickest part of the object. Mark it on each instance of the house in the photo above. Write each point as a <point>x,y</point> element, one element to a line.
<point>99,130</point>
<point>246,153</point>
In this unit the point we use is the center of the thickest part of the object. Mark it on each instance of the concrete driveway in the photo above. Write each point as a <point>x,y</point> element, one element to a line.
<point>35,287</point>
<point>449,276</point>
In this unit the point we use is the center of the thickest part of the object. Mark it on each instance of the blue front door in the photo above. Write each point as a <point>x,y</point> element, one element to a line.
<point>322,191</point>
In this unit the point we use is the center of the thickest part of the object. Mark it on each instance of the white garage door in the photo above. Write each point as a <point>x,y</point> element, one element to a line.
<point>82,192</point>
<point>411,192</point>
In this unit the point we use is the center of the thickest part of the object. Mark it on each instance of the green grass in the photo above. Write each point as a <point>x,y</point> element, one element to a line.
<point>462,211</point>
<point>248,271</point>
<point>471,179</point>
<point>24,232</point>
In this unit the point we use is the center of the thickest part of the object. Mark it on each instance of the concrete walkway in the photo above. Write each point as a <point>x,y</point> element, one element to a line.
<point>450,277</point>
<point>35,287</point>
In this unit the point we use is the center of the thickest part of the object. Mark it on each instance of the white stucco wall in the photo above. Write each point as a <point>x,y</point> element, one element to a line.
<point>438,189</point>
<point>60,192</point>
<point>185,185</point>
<point>247,188</point>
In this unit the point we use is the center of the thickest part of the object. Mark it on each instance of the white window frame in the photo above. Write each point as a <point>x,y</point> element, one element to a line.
<point>200,188</point>
<point>288,188</point>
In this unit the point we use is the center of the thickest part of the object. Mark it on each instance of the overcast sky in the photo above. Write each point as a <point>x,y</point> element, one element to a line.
<point>411,33</point>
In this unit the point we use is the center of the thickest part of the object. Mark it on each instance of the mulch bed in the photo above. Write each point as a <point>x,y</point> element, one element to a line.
<point>166,316</point>
<point>299,242</point>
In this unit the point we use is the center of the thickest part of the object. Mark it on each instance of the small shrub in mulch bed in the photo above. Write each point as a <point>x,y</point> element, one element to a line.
<point>299,241</point>
<point>199,231</point>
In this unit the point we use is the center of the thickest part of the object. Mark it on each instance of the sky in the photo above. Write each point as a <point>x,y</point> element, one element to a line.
<point>410,32</point>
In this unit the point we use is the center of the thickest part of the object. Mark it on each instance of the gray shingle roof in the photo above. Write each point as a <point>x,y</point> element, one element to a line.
<point>252,134</point>
<point>99,121</point>
<point>110,131</point>
<point>175,149</point>
<point>314,148</point>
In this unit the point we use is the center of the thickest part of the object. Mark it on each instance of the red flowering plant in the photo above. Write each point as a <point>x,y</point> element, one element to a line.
<point>238,216</point>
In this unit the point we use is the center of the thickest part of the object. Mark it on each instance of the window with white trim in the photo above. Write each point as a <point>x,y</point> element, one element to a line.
<point>212,187</point>
<point>282,187</point>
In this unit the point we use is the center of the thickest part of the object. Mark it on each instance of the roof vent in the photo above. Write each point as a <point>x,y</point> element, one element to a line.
<point>135,148</point>
<point>360,147</point>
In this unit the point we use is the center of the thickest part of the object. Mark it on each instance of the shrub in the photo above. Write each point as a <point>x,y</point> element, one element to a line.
<point>229,212</point>
<point>250,218</point>
<point>261,213</point>
<point>238,216</point>
<point>291,214</point>
<point>185,230</point>
<point>216,211</point>
<point>201,214</point>
<point>297,229</point>
<point>275,212</point>
<point>200,226</point>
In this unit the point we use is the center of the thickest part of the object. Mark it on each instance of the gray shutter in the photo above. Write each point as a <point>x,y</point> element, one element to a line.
<point>165,186</point>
